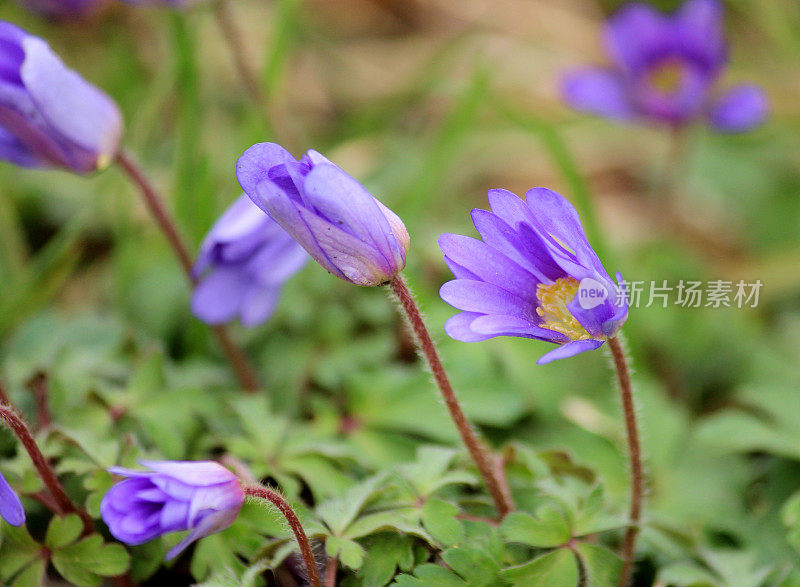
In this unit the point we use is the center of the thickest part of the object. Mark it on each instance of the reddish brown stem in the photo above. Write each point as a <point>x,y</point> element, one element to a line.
<point>635,456</point>
<point>502,499</point>
<point>330,571</point>
<point>245,374</point>
<point>294,523</point>
<point>38,384</point>
<point>64,505</point>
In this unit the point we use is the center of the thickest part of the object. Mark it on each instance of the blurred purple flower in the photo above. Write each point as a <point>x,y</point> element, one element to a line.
<point>49,115</point>
<point>201,496</point>
<point>344,228</point>
<point>11,509</point>
<point>62,8</point>
<point>243,263</point>
<point>534,275</point>
<point>665,69</point>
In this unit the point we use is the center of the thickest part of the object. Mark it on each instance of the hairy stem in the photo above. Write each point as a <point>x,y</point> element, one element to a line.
<point>502,499</point>
<point>294,523</point>
<point>155,203</point>
<point>635,456</point>
<point>63,504</point>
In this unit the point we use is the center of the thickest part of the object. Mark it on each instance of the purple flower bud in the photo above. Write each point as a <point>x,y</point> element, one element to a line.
<point>245,259</point>
<point>201,496</point>
<point>11,509</point>
<point>344,228</point>
<point>665,69</point>
<point>49,115</point>
<point>62,9</point>
<point>534,275</point>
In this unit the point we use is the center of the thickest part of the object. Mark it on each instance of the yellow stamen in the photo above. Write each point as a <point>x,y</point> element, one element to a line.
<point>667,77</point>
<point>553,299</point>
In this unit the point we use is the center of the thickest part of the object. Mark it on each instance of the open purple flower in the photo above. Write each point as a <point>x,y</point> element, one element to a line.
<point>201,496</point>
<point>339,223</point>
<point>534,275</point>
<point>243,263</point>
<point>49,115</point>
<point>62,8</point>
<point>11,509</point>
<point>665,69</point>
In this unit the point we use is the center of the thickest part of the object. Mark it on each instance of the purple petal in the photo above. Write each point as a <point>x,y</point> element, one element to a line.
<point>82,114</point>
<point>486,298</point>
<point>570,350</point>
<point>344,202</point>
<point>498,325</point>
<point>598,91</point>
<point>488,264</point>
<point>218,297</point>
<point>253,166</point>
<point>741,109</point>
<point>211,524</point>
<point>258,304</point>
<point>458,328</point>
<point>700,33</point>
<point>199,473</point>
<point>287,213</point>
<point>11,509</point>
<point>638,34</point>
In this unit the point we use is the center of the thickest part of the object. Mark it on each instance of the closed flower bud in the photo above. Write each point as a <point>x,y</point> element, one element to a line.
<point>200,496</point>
<point>341,225</point>
<point>243,263</point>
<point>49,115</point>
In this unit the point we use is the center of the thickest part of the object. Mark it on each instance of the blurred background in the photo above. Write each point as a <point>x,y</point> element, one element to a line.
<point>430,103</point>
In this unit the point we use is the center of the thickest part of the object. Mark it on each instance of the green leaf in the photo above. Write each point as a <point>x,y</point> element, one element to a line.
<point>602,566</point>
<point>554,569</point>
<point>439,519</point>
<point>349,552</point>
<point>474,565</point>
<point>339,512</point>
<point>548,529</point>
<point>385,553</point>
<point>17,551</point>
<point>32,576</point>
<point>63,531</point>
<point>429,575</point>
<point>84,563</point>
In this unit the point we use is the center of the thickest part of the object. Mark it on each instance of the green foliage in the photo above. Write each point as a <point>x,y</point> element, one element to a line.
<point>429,106</point>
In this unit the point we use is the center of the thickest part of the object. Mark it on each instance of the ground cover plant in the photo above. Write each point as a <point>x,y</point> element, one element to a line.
<point>367,292</point>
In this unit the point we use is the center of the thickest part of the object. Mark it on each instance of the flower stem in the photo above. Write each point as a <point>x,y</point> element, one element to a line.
<point>155,203</point>
<point>635,456</point>
<point>305,547</point>
<point>62,502</point>
<point>502,499</point>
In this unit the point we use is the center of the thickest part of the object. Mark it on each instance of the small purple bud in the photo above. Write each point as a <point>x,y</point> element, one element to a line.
<point>341,225</point>
<point>49,115</point>
<point>201,496</point>
<point>11,509</point>
<point>243,263</point>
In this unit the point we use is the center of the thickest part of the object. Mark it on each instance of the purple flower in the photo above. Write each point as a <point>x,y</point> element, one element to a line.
<point>245,259</point>
<point>665,69</point>
<point>49,115</point>
<point>201,496</point>
<point>534,275</point>
<point>11,509</point>
<point>62,8</point>
<point>344,228</point>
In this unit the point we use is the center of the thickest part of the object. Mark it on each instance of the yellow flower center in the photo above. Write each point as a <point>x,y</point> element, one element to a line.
<point>553,299</point>
<point>667,77</point>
